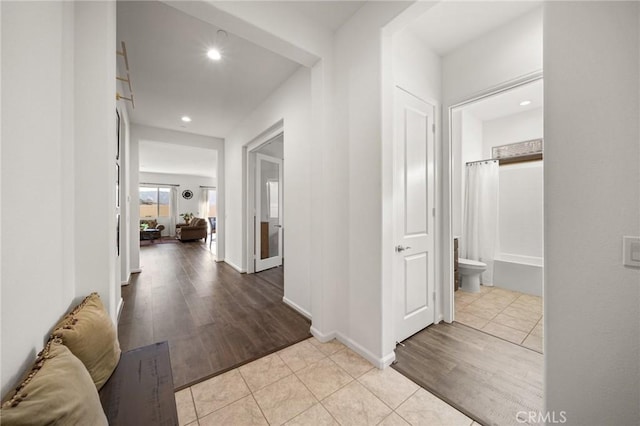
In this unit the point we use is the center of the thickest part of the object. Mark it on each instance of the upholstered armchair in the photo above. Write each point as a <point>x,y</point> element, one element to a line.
<point>196,229</point>
<point>151,224</point>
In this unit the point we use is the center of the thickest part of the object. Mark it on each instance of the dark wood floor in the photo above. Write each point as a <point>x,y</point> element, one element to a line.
<point>213,317</point>
<point>485,377</point>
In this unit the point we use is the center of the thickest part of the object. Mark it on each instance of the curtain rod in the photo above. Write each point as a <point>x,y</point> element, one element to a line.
<point>157,184</point>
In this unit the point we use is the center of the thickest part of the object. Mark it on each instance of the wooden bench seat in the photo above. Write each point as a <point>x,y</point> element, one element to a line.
<point>140,390</point>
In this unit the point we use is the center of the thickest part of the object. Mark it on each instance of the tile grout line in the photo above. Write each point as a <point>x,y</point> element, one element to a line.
<point>295,373</point>
<point>252,395</point>
<point>406,399</point>
<point>193,401</point>
<point>259,407</point>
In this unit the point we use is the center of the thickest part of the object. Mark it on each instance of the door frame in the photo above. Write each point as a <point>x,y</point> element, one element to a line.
<point>249,160</point>
<point>448,298</point>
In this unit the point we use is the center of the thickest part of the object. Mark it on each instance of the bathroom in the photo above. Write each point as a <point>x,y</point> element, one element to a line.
<point>498,213</point>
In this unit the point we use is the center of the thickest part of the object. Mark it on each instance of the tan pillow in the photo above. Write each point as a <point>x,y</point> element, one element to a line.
<point>90,335</point>
<point>57,390</point>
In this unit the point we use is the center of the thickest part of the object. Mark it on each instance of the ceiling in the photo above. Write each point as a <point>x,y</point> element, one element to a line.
<point>329,14</point>
<point>451,24</point>
<point>273,148</point>
<point>172,76</point>
<point>162,157</point>
<point>508,103</point>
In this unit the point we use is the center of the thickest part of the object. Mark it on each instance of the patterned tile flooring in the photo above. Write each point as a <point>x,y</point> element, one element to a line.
<point>507,314</point>
<point>313,383</point>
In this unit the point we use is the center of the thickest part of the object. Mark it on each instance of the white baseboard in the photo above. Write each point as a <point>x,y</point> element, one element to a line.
<point>377,362</point>
<point>324,338</point>
<point>297,307</point>
<point>380,363</point>
<point>136,271</point>
<point>120,306</point>
<point>127,282</point>
<point>234,266</point>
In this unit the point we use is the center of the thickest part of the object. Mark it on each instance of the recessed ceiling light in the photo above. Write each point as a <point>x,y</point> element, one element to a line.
<point>214,54</point>
<point>525,103</point>
<point>186,119</point>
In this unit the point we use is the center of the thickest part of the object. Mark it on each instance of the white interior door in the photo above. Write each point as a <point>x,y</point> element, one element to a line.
<point>414,174</point>
<point>268,223</point>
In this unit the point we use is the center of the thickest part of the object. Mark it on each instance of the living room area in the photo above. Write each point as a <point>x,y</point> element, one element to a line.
<point>177,193</point>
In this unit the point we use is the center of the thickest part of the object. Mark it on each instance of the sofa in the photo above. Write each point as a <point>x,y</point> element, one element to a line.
<point>196,229</point>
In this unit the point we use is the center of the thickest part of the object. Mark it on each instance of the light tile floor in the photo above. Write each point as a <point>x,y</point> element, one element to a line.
<point>507,314</point>
<point>313,383</point>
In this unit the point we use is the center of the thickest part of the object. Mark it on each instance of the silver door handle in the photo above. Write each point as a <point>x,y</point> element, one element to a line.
<point>402,248</point>
<point>278,226</point>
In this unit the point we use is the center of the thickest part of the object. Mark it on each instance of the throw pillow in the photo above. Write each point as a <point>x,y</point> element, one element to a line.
<point>57,390</point>
<point>90,335</point>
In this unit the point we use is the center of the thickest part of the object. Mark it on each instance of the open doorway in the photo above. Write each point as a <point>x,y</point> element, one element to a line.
<point>177,190</point>
<point>209,205</point>
<point>498,213</point>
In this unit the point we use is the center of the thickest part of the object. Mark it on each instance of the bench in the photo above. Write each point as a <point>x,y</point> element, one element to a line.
<point>140,390</point>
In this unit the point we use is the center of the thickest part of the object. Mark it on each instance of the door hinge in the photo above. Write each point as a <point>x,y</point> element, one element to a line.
<point>434,297</point>
<point>433,212</point>
<point>433,128</point>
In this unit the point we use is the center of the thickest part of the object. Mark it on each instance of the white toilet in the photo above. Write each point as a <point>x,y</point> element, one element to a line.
<point>470,271</point>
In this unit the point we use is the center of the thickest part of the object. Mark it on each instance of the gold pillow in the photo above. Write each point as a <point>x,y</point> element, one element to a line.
<point>57,390</point>
<point>90,335</point>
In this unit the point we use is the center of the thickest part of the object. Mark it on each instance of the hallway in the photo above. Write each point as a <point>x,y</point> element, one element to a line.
<point>213,317</point>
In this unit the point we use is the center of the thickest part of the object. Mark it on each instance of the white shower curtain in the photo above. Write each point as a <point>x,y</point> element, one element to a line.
<point>480,223</point>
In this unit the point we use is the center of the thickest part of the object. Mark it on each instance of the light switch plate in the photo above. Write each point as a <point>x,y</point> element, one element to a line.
<point>631,251</point>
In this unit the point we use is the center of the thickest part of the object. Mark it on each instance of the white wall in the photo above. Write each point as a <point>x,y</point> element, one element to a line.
<point>592,199</point>
<point>29,155</point>
<point>291,103</point>
<point>416,68</point>
<point>42,145</point>
<point>358,182</point>
<point>520,210</point>
<point>521,185</point>
<point>147,133</point>
<point>95,151</point>
<point>509,51</point>
<point>513,128</point>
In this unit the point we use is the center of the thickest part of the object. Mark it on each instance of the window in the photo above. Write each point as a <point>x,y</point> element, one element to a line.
<point>154,201</point>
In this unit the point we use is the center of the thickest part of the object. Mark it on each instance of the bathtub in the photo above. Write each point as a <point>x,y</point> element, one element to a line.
<point>519,273</point>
